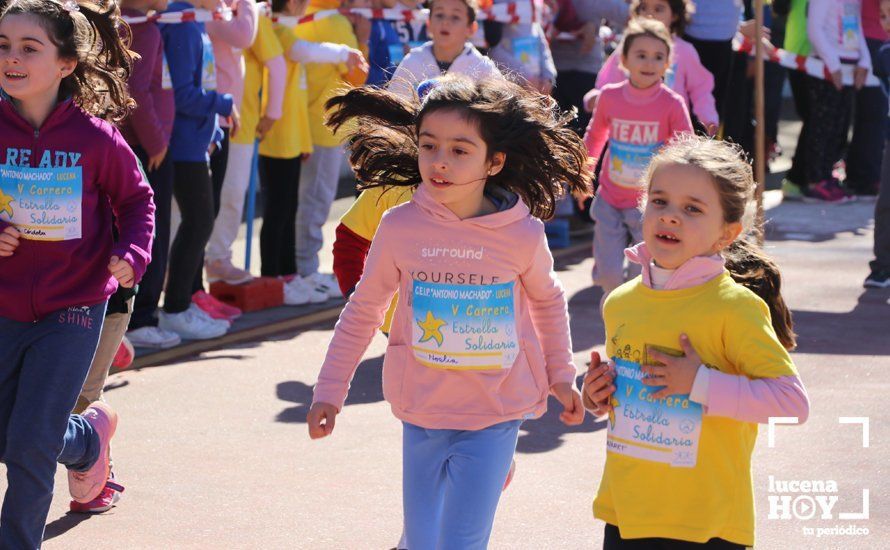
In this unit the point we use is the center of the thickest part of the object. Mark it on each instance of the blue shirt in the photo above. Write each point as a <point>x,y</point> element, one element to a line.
<point>190,60</point>
<point>715,19</point>
<point>380,59</point>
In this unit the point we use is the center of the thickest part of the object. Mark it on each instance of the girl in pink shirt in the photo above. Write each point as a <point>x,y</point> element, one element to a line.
<point>480,336</point>
<point>686,76</point>
<point>636,118</point>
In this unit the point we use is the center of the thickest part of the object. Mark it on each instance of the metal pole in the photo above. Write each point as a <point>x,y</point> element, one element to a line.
<point>251,203</point>
<point>759,116</point>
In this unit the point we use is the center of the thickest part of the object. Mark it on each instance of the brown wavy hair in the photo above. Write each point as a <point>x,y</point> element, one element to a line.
<point>96,37</point>
<point>729,169</point>
<point>544,157</point>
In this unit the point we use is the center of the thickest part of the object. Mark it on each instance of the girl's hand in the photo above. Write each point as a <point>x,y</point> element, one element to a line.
<point>122,271</point>
<point>319,412</point>
<point>572,410</point>
<point>155,162</point>
<point>859,77</point>
<point>837,78</point>
<point>678,373</point>
<point>263,126</point>
<point>234,122</point>
<point>356,60</point>
<point>711,128</point>
<point>9,241</point>
<point>598,385</point>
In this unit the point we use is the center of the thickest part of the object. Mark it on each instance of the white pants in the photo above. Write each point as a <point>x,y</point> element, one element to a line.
<point>318,187</point>
<point>231,202</point>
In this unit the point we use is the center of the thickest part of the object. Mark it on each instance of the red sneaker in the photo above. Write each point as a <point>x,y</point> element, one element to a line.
<point>124,356</point>
<point>106,500</point>
<point>214,308</point>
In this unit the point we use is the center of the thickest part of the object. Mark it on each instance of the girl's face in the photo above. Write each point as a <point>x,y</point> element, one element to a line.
<point>684,217</point>
<point>646,61</point>
<point>659,10</point>
<point>453,159</point>
<point>30,67</point>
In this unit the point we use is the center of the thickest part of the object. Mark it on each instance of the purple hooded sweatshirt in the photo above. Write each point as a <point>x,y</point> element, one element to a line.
<point>59,186</point>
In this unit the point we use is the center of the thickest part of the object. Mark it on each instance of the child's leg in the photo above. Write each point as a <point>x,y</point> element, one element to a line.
<point>882,218</point>
<point>609,242</point>
<point>829,118</point>
<point>53,357</point>
<point>633,222</point>
<point>113,330</point>
<point>231,202</point>
<point>318,187</point>
<point>194,195</point>
<point>424,455</point>
<point>477,466</point>
<point>152,284</point>
<point>279,179</point>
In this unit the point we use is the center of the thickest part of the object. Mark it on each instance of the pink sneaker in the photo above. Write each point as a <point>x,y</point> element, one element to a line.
<point>213,307</point>
<point>124,356</point>
<point>85,486</point>
<point>106,500</point>
<point>826,191</point>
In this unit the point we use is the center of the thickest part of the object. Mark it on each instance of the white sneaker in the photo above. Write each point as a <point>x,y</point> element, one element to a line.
<point>300,291</point>
<point>327,283</point>
<point>153,337</point>
<point>192,324</point>
<point>198,311</point>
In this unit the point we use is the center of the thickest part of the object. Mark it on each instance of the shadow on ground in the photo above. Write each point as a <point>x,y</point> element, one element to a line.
<point>856,332</point>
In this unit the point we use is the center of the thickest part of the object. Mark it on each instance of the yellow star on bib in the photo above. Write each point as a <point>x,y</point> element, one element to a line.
<point>5,203</point>
<point>614,404</point>
<point>431,328</point>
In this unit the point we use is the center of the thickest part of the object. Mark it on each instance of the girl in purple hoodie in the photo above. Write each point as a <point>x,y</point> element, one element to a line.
<point>64,171</point>
<point>480,336</point>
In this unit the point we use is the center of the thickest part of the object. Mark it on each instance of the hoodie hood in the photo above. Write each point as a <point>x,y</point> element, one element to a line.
<point>693,272</point>
<point>511,209</point>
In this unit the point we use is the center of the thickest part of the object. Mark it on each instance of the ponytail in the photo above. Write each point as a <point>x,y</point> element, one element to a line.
<point>751,268</point>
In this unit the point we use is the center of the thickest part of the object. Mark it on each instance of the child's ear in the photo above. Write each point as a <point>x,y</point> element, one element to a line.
<point>731,232</point>
<point>67,66</point>
<point>497,163</point>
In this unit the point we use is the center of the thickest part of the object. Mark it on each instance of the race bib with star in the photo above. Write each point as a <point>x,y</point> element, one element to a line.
<point>464,327</point>
<point>44,204</point>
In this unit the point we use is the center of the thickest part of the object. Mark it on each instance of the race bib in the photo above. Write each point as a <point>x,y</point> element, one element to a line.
<point>663,430</point>
<point>208,64</point>
<point>464,327</point>
<point>849,26</point>
<point>44,204</point>
<point>628,162</point>
<point>670,77</point>
<point>527,51</point>
<point>166,79</point>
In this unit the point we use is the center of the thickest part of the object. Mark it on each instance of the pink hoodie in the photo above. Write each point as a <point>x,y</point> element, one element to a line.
<point>481,330</point>
<point>720,393</point>
<point>687,76</point>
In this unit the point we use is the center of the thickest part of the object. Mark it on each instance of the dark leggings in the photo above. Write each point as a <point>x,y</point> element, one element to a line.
<point>152,284</point>
<point>279,181</point>
<point>218,161</point>
<point>193,190</point>
<point>800,91</point>
<point>827,127</point>
<point>613,541</point>
<point>569,92</point>
<point>717,58</point>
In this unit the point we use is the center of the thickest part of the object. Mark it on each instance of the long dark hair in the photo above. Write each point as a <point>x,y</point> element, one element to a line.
<point>94,35</point>
<point>544,157</point>
<point>731,173</point>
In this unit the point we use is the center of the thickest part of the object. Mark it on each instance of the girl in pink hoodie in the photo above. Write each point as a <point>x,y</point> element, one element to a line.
<point>698,350</point>
<point>635,118</point>
<point>480,338</point>
<point>686,76</point>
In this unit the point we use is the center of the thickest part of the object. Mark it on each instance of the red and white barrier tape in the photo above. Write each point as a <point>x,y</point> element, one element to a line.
<point>513,13</point>
<point>812,66</point>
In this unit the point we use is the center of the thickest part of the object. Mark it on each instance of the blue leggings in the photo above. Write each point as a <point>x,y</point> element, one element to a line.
<point>452,481</point>
<point>42,369</point>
